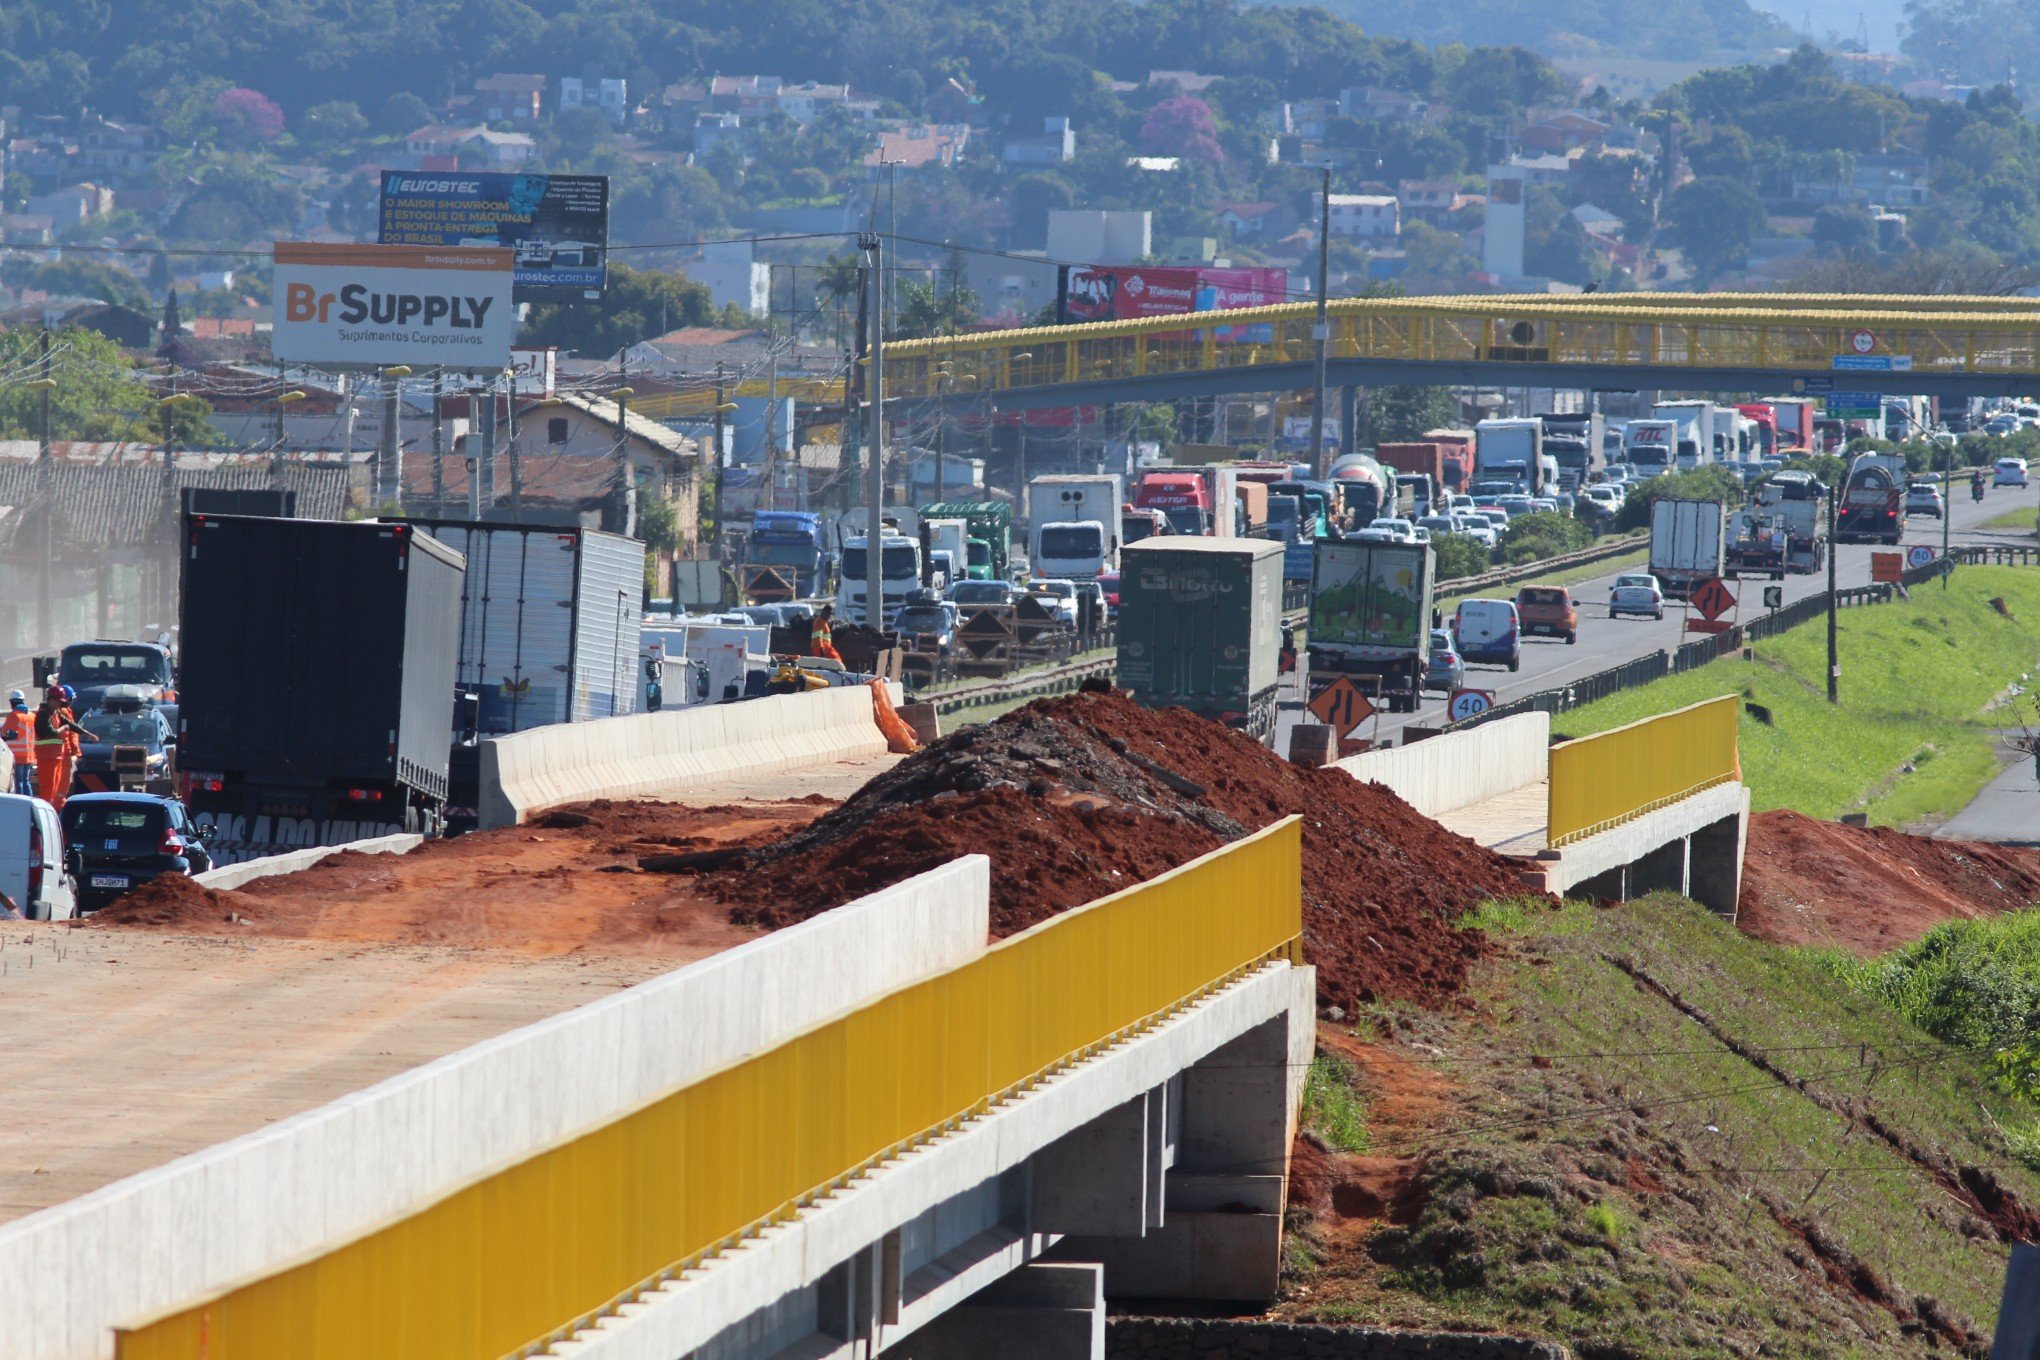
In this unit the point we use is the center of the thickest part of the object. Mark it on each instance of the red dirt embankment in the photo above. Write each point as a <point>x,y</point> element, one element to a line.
<point>1869,891</point>
<point>1080,796</point>
<point>567,882</point>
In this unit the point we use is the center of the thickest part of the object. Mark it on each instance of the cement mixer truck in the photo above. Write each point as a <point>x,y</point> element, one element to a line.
<point>1872,508</point>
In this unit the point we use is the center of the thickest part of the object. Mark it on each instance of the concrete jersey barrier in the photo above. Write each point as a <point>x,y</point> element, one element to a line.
<point>269,866</point>
<point>647,754</point>
<point>1459,769</point>
<point>166,1236</point>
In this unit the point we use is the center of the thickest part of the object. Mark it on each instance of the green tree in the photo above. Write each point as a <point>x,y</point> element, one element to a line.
<point>944,305</point>
<point>1541,534</point>
<point>83,278</point>
<point>1711,222</point>
<point>1396,415</point>
<point>401,113</point>
<point>1844,228</point>
<point>336,125</point>
<point>98,395</point>
<point>1459,555</point>
<point>636,305</point>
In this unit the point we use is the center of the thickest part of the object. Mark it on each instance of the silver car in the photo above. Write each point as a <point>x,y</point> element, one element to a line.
<point>1636,593</point>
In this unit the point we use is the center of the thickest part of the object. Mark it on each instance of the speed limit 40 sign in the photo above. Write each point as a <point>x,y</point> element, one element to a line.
<point>1469,703</point>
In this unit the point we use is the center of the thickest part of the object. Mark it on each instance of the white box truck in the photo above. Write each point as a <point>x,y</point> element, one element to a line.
<point>1510,450</point>
<point>1699,426</point>
<point>1074,529</point>
<point>1687,543</point>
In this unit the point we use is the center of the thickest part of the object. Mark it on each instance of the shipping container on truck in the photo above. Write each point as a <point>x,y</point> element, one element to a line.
<point>1764,417</point>
<point>1795,417</point>
<point>1370,618</point>
<point>1701,433</point>
<point>318,665</point>
<point>990,526</point>
<point>1200,627</point>
<point>1688,541</point>
<point>1424,458</point>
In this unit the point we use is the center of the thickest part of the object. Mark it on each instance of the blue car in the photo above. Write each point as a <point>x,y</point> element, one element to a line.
<point>116,842</point>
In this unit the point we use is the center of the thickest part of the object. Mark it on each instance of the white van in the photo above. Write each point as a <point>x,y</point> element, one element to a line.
<point>32,860</point>
<point>1489,631</point>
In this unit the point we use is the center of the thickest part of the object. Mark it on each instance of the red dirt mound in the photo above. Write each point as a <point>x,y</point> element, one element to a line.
<point>1082,795</point>
<point>1809,882</point>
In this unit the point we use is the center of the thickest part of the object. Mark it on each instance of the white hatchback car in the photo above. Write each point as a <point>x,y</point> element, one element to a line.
<point>2010,472</point>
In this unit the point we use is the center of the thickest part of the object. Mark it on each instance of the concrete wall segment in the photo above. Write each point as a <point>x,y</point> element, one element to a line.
<point>646,754</point>
<point>1460,769</point>
<point>161,1238</point>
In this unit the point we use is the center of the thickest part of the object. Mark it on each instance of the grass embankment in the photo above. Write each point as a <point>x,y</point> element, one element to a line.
<point>1585,571</point>
<point>1666,1139</point>
<point>2015,519</point>
<point>1914,734</point>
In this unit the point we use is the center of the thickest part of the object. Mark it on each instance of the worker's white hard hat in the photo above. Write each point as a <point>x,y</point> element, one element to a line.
<point>15,696</point>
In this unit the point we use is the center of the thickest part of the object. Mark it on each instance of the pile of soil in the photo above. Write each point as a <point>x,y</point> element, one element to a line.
<point>1869,891</point>
<point>568,882</point>
<point>1082,795</point>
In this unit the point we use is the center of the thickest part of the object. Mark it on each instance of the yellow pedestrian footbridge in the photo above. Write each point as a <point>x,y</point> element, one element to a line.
<point>1769,342</point>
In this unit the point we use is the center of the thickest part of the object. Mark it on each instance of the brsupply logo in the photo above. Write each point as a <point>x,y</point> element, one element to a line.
<point>302,302</point>
<point>362,304</point>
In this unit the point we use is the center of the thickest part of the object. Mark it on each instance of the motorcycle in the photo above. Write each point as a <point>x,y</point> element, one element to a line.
<point>1976,490</point>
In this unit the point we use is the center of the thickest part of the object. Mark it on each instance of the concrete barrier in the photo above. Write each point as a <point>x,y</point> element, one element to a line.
<point>1460,769</point>
<point>175,1233</point>
<point>647,754</point>
<point>269,866</point>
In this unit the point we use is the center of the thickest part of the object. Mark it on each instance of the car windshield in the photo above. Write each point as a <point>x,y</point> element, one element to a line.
<point>899,564</point>
<point>1441,640</point>
<point>1062,590</point>
<point>83,820</point>
<point>981,592</point>
<point>1542,596</point>
<point>122,729</point>
<point>114,666</point>
<point>1072,540</point>
<point>922,618</point>
<point>1637,582</point>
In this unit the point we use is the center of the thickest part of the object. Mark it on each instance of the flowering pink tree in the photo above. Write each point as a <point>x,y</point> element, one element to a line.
<point>1182,126</point>
<point>247,116</point>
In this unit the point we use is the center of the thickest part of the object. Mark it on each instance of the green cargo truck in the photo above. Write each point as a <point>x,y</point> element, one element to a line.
<point>989,529</point>
<point>1370,618</point>
<point>1200,627</point>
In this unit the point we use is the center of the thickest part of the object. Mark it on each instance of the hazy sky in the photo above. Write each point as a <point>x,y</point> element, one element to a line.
<point>1882,17</point>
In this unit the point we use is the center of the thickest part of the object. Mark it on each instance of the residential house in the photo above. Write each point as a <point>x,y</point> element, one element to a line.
<point>122,148</point>
<point>46,157</point>
<point>73,205</point>
<point>608,95</point>
<point>955,100</point>
<point>26,229</point>
<point>1251,221</point>
<point>1055,145</point>
<point>509,98</point>
<point>712,129</point>
<point>1547,168</point>
<point>592,439</point>
<point>449,146</point>
<point>1888,180</point>
<point>677,105</point>
<point>920,145</point>
<point>1099,236</point>
<point>1365,217</point>
<point>734,276</point>
<point>1186,82</point>
<point>756,95</point>
<point>1429,200</point>
<point>804,103</point>
<point>1160,165</point>
<point>1306,118</point>
<point>1563,132</point>
<point>1374,104</point>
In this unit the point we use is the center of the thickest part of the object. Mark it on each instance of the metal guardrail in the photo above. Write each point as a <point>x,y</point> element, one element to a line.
<point>1600,552</point>
<point>1027,685</point>
<point>522,1258</point>
<point>1612,777</point>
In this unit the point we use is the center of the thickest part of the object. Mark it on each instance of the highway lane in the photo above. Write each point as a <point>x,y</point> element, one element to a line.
<point>1606,642</point>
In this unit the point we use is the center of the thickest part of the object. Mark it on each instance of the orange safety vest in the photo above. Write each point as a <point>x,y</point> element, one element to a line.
<point>74,745</point>
<point>17,729</point>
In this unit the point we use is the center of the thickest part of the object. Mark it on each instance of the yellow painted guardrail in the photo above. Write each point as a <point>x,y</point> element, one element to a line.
<point>534,1252</point>
<point>1602,780</point>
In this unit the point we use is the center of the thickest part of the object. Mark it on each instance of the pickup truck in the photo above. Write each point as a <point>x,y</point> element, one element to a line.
<point>1549,611</point>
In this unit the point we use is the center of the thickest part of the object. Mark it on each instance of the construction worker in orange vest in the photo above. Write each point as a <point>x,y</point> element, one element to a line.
<point>822,635</point>
<point>17,730</point>
<point>56,732</point>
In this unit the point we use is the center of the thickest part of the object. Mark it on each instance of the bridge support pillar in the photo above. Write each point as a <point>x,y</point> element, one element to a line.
<point>1040,1312</point>
<point>1105,1179</point>
<point>1717,862</point>
<point>1235,1114</point>
<point>1660,870</point>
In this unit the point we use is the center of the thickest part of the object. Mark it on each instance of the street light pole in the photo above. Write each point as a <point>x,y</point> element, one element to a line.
<point>1834,663</point>
<point>874,467</point>
<point>1321,332</point>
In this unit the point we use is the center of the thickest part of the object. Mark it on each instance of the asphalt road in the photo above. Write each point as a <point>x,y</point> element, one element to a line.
<point>1605,642</point>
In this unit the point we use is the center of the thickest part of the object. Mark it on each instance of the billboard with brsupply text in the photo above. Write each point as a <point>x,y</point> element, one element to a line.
<point>424,306</point>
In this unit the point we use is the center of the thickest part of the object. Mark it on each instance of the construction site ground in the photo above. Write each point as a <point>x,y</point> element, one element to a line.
<point>184,1017</point>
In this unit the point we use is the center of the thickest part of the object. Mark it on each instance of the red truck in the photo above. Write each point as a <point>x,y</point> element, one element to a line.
<point>1458,445</point>
<point>1443,464</point>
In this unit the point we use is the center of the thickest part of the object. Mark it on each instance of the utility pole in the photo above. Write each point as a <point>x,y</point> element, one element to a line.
<point>47,487</point>
<point>874,468</point>
<point>941,432</point>
<point>516,450</point>
<point>487,467</point>
<point>439,441</point>
<point>767,499</point>
<point>1947,507</point>
<point>626,484</point>
<point>1321,332</point>
<point>392,439</point>
<point>715,504</point>
<point>474,453</point>
<point>1834,665</point>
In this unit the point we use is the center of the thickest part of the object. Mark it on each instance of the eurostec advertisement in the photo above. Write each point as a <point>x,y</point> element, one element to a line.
<point>373,305</point>
<point>558,225</point>
<point>1122,292</point>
